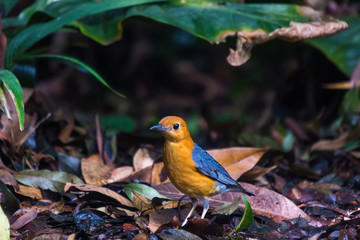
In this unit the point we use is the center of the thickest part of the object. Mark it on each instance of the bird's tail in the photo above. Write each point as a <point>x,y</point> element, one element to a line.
<point>239,188</point>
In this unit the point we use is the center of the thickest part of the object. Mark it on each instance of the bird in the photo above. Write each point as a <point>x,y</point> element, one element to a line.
<point>191,169</point>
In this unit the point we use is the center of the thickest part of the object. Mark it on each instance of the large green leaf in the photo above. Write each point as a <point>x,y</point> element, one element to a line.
<point>31,35</point>
<point>205,20</point>
<point>11,83</point>
<point>78,63</point>
<point>343,49</point>
<point>211,21</point>
<point>45,179</point>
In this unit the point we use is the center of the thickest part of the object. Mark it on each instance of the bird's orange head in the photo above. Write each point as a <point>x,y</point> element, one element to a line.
<point>174,129</point>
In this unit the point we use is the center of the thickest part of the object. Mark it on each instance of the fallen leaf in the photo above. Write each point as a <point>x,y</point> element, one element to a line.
<point>265,202</point>
<point>54,208</point>
<point>24,219</point>
<point>5,226</point>
<point>142,159</point>
<point>141,202</point>
<point>8,179</point>
<point>151,174</point>
<point>129,227</point>
<point>45,179</point>
<point>177,234</point>
<point>163,217</point>
<point>255,173</point>
<point>322,25</point>
<point>229,207</point>
<point>328,145</point>
<point>237,160</point>
<point>30,192</point>
<point>120,174</point>
<point>94,170</point>
<point>70,187</point>
<point>141,236</point>
<point>141,189</point>
<point>247,218</point>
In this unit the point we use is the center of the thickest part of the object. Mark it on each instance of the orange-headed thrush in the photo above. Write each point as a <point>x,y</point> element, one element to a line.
<point>190,168</point>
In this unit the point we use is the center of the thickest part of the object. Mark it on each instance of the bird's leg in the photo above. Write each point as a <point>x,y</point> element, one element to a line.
<point>194,205</point>
<point>206,207</point>
<point>178,207</point>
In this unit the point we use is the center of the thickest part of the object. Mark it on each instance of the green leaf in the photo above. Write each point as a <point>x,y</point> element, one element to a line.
<point>211,21</point>
<point>31,35</point>
<point>3,104</point>
<point>117,123</point>
<point>247,218</point>
<point>205,20</point>
<point>73,61</point>
<point>229,207</point>
<point>9,4</point>
<point>45,179</point>
<point>259,141</point>
<point>351,101</point>
<point>13,86</point>
<point>143,190</point>
<point>342,48</point>
<point>289,141</point>
<point>5,226</point>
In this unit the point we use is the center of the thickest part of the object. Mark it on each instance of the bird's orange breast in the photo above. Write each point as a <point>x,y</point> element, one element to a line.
<point>181,170</point>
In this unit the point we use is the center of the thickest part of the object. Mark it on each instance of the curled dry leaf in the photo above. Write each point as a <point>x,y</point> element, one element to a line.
<point>70,187</point>
<point>24,219</point>
<point>265,202</point>
<point>319,26</point>
<point>94,170</point>
<point>142,159</point>
<point>329,145</point>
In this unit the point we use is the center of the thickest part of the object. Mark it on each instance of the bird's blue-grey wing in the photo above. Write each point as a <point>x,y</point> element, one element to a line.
<point>208,166</point>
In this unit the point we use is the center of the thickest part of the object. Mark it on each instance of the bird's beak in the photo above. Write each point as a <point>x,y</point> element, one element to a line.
<point>159,128</point>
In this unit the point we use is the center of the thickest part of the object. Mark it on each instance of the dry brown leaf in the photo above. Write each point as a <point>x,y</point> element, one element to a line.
<point>158,174</point>
<point>30,192</point>
<point>151,174</point>
<point>329,145</point>
<point>237,160</point>
<point>54,208</point>
<point>141,202</point>
<point>320,26</point>
<point>8,179</point>
<point>165,216</point>
<point>120,174</point>
<point>105,191</point>
<point>24,219</point>
<point>67,130</point>
<point>255,173</point>
<point>142,159</point>
<point>94,170</point>
<point>265,202</point>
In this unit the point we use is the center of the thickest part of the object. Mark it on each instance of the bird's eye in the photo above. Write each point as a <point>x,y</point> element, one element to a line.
<point>176,126</point>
